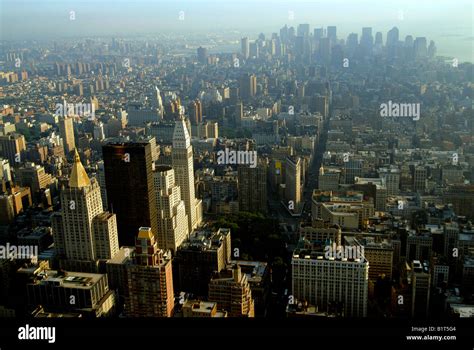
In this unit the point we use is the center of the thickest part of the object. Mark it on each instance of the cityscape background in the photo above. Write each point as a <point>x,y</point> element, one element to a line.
<point>447,22</point>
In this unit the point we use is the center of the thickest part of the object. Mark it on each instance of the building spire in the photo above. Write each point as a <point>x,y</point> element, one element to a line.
<point>79,176</point>
<point>181,138</point>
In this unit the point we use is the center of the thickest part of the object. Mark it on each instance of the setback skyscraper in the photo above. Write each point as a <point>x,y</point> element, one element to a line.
<point>172,219</point>
<point>82,231</point>
<point>182,161</point>
<point>150,279</point>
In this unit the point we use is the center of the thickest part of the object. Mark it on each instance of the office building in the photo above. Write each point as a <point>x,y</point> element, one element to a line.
<point>13,148</point>
<point>252,184</point>
<point>202,55</point>
<point>182,162</point>
<point>332,33</point>
<point>87,294</point>
<point>232,293</point>
<point>331,284</point>
<point>248,86</point>
<point>150,279</point>
<point>172,218</point>
<point>328,180</point>
<point>66,130</point>
<point>33,176</point>
<point>130,191</point>
<point>82,231</point>
<point>420,174</point>
<point>421,282</point>
<point>259,277</point>
<point>204,253</point>
<point>391,179</point>
<point>293,187</point>
<point>320,232</point>
<point>419,246</point>
<point>245,47</point>
<point>195,112</point>
<point>462,199</point>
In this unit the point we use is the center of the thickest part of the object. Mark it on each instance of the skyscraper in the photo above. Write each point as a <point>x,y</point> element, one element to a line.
<point>66,130</point>
<point>332,34</point>
<point>392,37</point>
<point>130,192</point>
<point>253,188</point>
<point>101,179</point>
<point>195,112</point>
<point>172,219</point>
<point>367,40</point>
<point>182,161</point>
<point>204,253</point>
<point>245,47</point>
<point>13,147</point>
<point>232,293</point>
<point>34,176</point>
<point>83,232</point>
<point>293,187</point>
<point>248,86</point>
<point>202,54</point>
<point>352,43</point>
<point>421,281</point>
<point>318,33</point>
<point>150,279</point>
<point>325,50</point>
<point>420,48</point>
<point>254,50</point>
<point>321,105</point>
<point>303,30</point>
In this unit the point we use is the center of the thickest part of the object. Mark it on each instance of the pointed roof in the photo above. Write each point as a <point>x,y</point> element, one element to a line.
<point>181,138</point>
<point>145,233</point>
<point>79,176</point>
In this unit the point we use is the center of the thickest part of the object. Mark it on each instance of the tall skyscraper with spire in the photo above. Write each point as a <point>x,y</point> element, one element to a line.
<point>82,231</point>
<point>182,161</point>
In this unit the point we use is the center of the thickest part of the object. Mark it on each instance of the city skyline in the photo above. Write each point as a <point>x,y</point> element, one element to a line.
<point>234,19</point>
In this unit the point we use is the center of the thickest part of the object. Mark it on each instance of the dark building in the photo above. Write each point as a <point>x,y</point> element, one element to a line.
<point>202,54</point>
<point>204,253</point>
<point>253,188</point>
<point>130,190</point>
<point>248,86</point>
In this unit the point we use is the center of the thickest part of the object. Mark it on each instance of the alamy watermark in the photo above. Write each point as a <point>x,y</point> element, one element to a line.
<point>344,252</point>
<point>19,252</point>
<point>70,109</point>
<point>394,109</point>
<point>231,157</point>
<point>37,333</point>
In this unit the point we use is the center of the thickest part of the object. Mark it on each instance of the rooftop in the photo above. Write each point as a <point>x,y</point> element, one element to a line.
<point>76,280</point>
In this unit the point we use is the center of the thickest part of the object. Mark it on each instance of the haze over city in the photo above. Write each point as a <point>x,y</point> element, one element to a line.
<point>447,22</point>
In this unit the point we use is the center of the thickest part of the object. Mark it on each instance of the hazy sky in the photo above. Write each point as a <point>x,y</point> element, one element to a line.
<point>448,22</point>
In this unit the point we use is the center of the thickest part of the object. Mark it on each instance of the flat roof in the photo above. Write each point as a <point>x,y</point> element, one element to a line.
<point>68,279</point>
